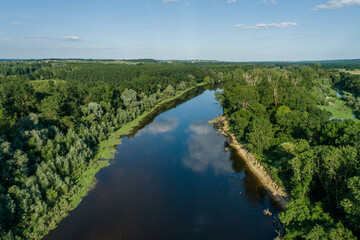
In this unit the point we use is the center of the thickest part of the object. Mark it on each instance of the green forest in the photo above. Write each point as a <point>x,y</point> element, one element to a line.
<point>281,116</point>
<point>56,115</point>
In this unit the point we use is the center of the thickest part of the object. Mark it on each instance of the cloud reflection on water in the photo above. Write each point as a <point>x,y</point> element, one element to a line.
<point>206,150</point>
<point>161,125</point>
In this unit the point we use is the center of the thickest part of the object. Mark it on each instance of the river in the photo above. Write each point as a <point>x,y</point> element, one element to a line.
<point>175,179</point>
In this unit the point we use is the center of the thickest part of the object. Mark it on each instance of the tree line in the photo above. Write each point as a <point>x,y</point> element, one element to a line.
<point>54,115</point>
<point>316,159</point>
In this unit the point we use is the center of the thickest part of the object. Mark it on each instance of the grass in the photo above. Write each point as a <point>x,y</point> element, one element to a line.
<point>107,148</point>
<point>348,93</point>
<point>337,107</point>
<point>85,183</point>
<point>354,72</point>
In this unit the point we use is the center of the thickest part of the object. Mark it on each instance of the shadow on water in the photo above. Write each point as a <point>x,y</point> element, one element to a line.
<point>253,187</point>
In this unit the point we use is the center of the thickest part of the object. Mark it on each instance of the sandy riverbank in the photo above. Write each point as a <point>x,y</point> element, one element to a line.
<point>276,193</point>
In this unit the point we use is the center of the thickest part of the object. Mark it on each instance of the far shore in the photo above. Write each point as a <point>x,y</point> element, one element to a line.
<point>276,193</point>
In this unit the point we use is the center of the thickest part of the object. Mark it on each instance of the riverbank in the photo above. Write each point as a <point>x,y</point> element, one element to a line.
<point>176,172</point>
<point>276,193</point>
<point>107,148</point>
<point>87,181</point>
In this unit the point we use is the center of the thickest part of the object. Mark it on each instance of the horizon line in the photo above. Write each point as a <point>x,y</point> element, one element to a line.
<point>178,60</point>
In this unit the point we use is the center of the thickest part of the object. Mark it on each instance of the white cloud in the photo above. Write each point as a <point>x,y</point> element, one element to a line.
<point>261,26</point>
<point>270,1</point>
<point>337,4</point>
<point>206,150</point>
<point>161,126</point>
<point>231,1</point>
<point>169,1</point>
<point>72,38</point>
<point>200,129</point>
<point>42,38</point>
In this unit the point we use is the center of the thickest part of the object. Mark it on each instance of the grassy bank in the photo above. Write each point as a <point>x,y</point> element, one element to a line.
<point>107,148</point>
<point>87,181</point>
<point>337,107</point>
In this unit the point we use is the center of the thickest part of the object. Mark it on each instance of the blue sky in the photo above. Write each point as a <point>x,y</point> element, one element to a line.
<point>230,30</point>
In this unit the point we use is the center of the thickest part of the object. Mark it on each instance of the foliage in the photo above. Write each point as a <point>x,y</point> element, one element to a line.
<point>58,117</point>
<point>54,132</point>
<point>277,113</point>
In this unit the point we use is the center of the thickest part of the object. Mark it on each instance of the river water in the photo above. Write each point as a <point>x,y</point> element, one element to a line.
<point>175,179</point>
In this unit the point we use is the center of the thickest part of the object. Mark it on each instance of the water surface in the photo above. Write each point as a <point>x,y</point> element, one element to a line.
<point>174,180</point>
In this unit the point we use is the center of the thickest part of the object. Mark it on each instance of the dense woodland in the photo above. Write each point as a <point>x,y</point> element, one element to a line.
<point>54,114</point>
<point>315,157</point>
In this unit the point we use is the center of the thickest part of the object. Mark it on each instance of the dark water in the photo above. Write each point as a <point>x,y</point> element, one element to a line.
<point>173,180</point>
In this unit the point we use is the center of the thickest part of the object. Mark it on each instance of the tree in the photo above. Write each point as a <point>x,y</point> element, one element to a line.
<point>169,91</point>
<point>253,77</point>
<point>50,108</point>
<point>207,79</point>
<point>128,96</point>
<point>260,135</point>
<point>295,78</point>
<point>240,97</point>
<point>273,77</point>
<point>18,97</point>
<point>351,204</point>
<point>304,220</point>
<point>302,165</point>
<point>240,121</point>
<point>92,112</point>
<point>6,120</point>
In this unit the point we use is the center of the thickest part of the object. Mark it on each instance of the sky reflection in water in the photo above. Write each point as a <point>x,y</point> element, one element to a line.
<point>173,180</point>
<point>162,125</point>
<point>205,152</point>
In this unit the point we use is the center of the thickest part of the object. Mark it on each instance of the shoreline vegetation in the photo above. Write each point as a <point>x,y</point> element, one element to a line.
<point>107,148</point>
<point>276,193</point>
<point>58,119</point>
<point>310,154</point>
<point>106,152</point>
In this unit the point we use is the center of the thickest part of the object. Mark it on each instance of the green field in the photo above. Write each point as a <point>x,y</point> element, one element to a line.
<point>338,107</point>
<point>355,72</point>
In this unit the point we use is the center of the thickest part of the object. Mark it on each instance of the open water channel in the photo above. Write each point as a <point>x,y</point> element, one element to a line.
<point>174,179</point>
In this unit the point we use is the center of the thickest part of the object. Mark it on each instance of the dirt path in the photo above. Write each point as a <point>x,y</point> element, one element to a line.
<point>276,193</point>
